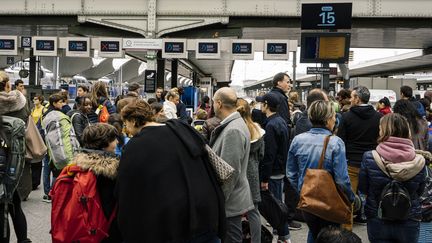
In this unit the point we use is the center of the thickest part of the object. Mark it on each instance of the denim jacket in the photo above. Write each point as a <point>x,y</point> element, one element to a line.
<point>305,152</point>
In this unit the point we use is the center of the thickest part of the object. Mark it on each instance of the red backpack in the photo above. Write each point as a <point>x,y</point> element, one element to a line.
<point>76,214</point>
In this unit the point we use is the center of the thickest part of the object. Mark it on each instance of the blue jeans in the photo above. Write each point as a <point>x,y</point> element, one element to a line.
<point>380,231</point>
<point>276,188</point>
<point>46,177</point>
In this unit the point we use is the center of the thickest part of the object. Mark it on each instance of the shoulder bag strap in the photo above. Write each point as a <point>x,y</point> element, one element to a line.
<point>381,164</point>
<point>321,160</point>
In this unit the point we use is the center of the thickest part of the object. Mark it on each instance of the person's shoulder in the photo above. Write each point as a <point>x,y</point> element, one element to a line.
<point>368,157</point>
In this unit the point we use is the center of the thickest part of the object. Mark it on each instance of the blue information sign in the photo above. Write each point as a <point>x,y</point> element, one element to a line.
<point>277,48</point>
<point>80,46</point>
<point>7,44</point>
<point>241,48</point>
<point>208,47</point>
<point>45,45</point>
<point>174,47</point>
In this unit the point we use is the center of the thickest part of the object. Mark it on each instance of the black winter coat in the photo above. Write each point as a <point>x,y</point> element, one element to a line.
<point>283,105</point>
<point>166,189</point>
<point>79,122</point>
<point>372,181</point>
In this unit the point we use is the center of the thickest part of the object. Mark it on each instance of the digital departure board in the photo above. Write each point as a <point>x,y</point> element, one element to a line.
<point>325,47</point>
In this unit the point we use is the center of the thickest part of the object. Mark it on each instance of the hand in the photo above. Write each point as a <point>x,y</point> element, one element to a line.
<point>264,186</point>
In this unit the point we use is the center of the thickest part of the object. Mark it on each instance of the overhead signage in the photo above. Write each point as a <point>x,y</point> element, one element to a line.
<point>150,81</point>
<point>321,70</point>
<point>78,47</point>
<point>45,46</point>
<point>174,48</point>
<point>26,41</point>
<point>142,44</point>
<point>326,16</point>
<point>207,49</point>
<point>8,45</point>
<point>325,47</point>
<point>242,49</point>
<point>110,47</point>
<point>276,50</point>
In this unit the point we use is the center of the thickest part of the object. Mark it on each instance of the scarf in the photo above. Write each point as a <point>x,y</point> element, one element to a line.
<point>396,150</point>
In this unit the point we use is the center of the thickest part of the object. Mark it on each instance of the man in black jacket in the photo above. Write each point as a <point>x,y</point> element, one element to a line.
<point>359,129</point>
<point>282,86</point>
<point>272,167</point>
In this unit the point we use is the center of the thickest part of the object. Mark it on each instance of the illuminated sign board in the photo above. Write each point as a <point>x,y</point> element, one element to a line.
<point>276,50</point>
<point>110,47</point>
<point>325,47</point>
<point>326,16</point>
<point>242,49</point>
<point>174,48</point>
<point>44,46</point>
<point>78,47</point>
<point>8,45</point>
<point>208,49</point>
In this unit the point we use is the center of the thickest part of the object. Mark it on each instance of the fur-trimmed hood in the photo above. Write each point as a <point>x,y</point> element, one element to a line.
<point>11,102</point>
<point>101,163</point>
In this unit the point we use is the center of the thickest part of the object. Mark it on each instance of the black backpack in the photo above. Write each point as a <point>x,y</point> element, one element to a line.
<point>12,155</point>
<point>426,197</point>
<point>395,201</point>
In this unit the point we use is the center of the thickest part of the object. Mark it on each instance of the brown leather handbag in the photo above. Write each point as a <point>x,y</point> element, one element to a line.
<point>320,195</point>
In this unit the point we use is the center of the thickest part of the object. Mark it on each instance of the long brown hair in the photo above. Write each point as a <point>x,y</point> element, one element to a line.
<point>99,89</point>
<point>393,125</point>
<point>245,111</point>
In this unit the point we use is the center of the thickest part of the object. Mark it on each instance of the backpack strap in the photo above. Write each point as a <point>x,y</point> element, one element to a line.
<point>381,163</point>
<point>321,160</point>
<point>73,115</point>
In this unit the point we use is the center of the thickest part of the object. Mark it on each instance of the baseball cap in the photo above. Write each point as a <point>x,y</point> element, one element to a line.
<point>270,99</point>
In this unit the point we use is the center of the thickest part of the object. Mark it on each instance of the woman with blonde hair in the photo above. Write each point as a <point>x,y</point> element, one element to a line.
<point>394,159</point>
<point>305,152</point>
<point>256,154</point>
<point>100,99</point>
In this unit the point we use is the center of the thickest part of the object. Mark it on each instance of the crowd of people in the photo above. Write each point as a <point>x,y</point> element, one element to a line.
<point>156,182</point>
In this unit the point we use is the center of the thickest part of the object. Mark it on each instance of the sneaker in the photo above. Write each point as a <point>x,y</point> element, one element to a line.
<point>46,199</point>
<point>294,226</point>
<point>360,220</point>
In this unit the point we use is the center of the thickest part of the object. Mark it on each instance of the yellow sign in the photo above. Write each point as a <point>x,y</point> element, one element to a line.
<point>331,47</point>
